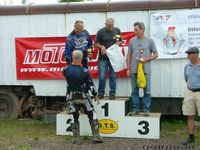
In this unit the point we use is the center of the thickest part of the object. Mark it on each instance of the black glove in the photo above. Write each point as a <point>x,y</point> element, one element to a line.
<point>64,72</point>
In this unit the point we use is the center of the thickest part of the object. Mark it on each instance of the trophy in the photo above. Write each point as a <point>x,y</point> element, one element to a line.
<point>117,37</point>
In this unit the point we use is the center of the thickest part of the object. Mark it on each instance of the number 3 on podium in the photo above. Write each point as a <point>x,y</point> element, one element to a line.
<point>145,127</point>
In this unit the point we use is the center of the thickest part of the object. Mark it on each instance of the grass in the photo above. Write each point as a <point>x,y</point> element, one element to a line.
<point>177,129</point>
<point>25,128</point>
<point>17,131</point>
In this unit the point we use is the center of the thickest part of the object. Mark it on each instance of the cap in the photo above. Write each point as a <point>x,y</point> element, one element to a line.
<point>171,28</point>
<point>192,50</point>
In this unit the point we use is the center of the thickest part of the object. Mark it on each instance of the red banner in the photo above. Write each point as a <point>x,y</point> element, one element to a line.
<point>42,58</point>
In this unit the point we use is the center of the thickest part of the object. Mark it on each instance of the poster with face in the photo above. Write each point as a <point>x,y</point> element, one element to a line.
<point>175,31</point>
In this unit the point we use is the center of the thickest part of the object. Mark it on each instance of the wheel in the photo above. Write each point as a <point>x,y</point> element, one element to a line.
<point>9,104</point>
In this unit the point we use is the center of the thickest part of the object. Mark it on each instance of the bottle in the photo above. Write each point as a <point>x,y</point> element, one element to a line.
<point>141,54</point>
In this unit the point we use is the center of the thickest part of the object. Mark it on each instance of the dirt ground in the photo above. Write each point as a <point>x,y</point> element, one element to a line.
<point>53,143</point>
<point>39,135</point>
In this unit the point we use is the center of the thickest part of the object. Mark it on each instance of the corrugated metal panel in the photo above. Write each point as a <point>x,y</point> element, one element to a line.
<point>47,9</point>
<point>92,21</point>
<point>87,7</point>
<point>28,26</point>
<point>7,44</point>
<point>167,75</point>
<point>12,9</point>
<point>98,7</point>
<point>48,25</point>
<point>124,20</point>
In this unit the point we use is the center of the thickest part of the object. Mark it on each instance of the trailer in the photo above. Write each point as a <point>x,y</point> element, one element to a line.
<point>33,97</point>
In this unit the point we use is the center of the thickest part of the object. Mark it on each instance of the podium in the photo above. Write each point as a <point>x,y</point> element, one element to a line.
<point>113,121</point>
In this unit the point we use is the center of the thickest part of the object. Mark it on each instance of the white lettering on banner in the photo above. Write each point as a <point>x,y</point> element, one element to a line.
<point>59,50</point>
<point>51,69</point>
<point>38,69</point>
<point>44,58</point>
<point>32,56</point>
<point>33,70</point>
<point>53,54</point>
<point>91,68</point>
<point>49,54</point>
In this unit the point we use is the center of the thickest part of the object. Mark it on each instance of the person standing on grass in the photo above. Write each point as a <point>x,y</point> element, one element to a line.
<point>191,102</point>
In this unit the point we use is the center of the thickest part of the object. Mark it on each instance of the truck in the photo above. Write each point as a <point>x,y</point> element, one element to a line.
<point>32,97</point>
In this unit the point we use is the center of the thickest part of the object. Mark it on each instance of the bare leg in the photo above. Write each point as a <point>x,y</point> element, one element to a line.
<point>191,124</point>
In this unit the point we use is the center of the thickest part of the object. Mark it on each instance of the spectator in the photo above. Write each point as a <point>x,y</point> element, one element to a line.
<point>191,101</point>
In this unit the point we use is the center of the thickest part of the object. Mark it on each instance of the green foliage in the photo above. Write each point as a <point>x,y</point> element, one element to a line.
<point>24,147</point>
<point>86,137</point>
<point>63,1</point>
<point>177,129</point>
<point>25,128</point>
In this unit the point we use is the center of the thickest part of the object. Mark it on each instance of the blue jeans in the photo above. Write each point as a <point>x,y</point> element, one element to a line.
<point>103,67</point>
<point>146,103</point>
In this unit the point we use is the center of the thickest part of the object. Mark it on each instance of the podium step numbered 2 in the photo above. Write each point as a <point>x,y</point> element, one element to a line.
<point>113,121</point>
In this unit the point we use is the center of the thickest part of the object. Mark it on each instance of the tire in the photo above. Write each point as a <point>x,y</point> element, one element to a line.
<point>9,104</point>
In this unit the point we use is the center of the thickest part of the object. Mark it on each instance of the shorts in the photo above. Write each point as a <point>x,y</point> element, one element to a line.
<point>191,103</point>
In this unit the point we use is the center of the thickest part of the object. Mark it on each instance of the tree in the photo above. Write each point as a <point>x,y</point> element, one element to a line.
<point>63,1</point>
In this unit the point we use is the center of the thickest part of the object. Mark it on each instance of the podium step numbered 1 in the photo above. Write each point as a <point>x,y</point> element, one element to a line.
<point>113,122</point>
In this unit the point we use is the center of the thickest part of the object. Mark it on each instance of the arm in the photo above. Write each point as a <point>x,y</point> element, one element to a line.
<point>128,61</point>
<point>152,57</point>
<point>185,76</point>
<point>98,45</point>
<point>89,45</point>
<point>97,41</point>
<point>90,84</point>
<point>91,87</point>
<point>101,48</point>
<point>154,53</point>
<point>89,41</point>
<point>64,72</point>
<point>68,51</point>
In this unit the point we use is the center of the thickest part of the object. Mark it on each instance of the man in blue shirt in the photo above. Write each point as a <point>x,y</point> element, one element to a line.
<point>191,101</point>
<point>78,39</point>
<point>79,85</point>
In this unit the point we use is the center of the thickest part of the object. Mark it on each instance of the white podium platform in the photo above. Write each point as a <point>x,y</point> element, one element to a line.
<point>113,122</point>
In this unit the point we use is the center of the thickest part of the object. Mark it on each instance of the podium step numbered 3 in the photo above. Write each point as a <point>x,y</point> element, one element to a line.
<point>113,121</point>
